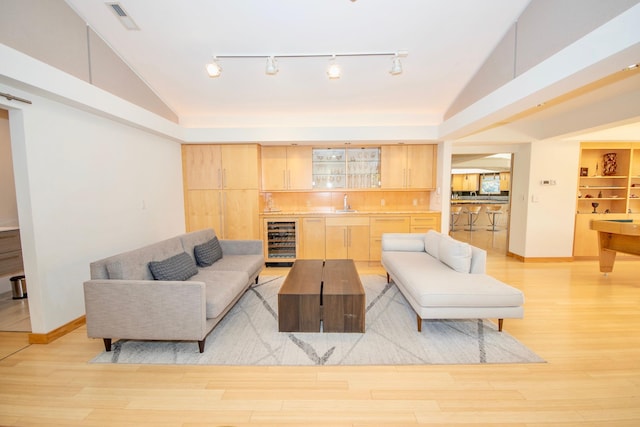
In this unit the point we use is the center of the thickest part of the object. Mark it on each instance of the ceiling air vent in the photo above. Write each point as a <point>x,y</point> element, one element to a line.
<point>122,15</point>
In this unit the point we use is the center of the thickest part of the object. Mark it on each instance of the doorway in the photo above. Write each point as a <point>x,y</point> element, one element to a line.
<point>14,312</point>
<point>480,200</point>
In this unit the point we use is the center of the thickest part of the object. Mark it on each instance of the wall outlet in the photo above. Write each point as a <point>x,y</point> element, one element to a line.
<point>415,202</point>
<point>382,202</point>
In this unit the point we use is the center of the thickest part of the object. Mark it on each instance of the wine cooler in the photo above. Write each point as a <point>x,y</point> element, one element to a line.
<point>281,237</point>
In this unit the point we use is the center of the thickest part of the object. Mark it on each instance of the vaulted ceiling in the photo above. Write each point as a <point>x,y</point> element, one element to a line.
<point>446,42</point>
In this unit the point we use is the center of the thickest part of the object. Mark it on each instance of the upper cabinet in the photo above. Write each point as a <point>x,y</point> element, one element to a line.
<point>336,168</point>
<point>408,166</point>
<point>466,182</point>
<point>302,168</point>
<point>286,168</point>
<point>505,181</point>
<point>218,167</point>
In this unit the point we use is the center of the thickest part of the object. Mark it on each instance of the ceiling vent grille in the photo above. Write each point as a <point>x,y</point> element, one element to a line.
<point>123,16</point>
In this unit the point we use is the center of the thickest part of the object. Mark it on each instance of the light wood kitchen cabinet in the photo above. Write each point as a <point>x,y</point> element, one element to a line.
<point>347,238</point>
<point>465,182</point>
<point>214,166</point>
<point>385,224</point>
<point>312,240</point>
<point>221,189</point>
<point>505,181</point>
<point>233,214</point>
<point>408,166</point>
<point>286,168</point>
<point>422,223</point>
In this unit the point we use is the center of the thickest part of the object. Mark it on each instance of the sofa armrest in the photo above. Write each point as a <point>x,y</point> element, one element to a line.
<point>145,309</point>
<point>478,260</point>
<point>241,247</point>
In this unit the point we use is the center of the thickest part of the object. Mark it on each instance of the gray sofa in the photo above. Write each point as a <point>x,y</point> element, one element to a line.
<point>443,278</point>
<point>124,300</point>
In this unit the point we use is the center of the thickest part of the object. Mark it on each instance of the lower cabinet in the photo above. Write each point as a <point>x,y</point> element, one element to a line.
<point>385,224</point>
<point>425,222</point>
<point>357,237</point>
<point>347,237</point>
<point>312,241</point>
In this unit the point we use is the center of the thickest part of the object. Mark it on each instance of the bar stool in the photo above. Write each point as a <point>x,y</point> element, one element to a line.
<point>473,212</point>
<point>492,211</point>
<point>455,216</point>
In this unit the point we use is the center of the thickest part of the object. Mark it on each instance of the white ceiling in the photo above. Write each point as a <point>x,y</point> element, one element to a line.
<point>446,41</point>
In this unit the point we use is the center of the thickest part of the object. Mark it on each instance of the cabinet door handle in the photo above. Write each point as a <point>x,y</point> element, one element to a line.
<point>219,183</point>
<point>284,179</point>
<point>344,238</point>
<point>349,238</point>
<point>288,179</point>
<point>224,178</point>
<point>409,178</point>
<point>223,203</point>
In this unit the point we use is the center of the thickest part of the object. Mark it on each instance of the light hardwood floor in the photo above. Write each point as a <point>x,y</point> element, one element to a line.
<point>14,313</point>
<point>585,325</point>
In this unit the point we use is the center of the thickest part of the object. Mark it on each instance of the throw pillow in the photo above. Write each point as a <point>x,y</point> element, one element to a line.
<point>455,254</point>
<point>177,267</point>
<point>432,243</point>
<point>208,252</point>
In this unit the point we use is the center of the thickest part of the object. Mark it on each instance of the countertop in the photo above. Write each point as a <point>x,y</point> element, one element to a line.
<point>478,202</point>
<point>335,213</point>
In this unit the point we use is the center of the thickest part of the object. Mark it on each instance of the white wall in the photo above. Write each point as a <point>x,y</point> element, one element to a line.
<point>520,173</point>
<point>87,187</point>
<point>551,209</point>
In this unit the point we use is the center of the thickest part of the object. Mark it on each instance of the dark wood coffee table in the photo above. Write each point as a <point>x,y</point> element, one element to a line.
<point>322,291</point>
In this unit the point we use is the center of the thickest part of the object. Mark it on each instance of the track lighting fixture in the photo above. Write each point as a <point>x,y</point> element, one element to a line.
<point>333,69</point>
<point>272,66</point>
<point>213,68</point>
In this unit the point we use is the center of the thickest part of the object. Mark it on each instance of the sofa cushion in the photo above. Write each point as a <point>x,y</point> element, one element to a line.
<point>432,243</point>
<point>208,252</point>
<point>134,265</point>
<point>190,240</point>
<point>430,283</point>
<point>177,267</point>
<point>251,264</point>
<point>221,288</point>
<point>455,254</point>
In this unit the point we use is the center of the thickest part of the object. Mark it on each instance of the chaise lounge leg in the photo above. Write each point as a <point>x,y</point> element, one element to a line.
<point>201,346</point>
<point>419,323</point>
<point>107,343</point>
<point>500,324</point>
<point>257,277</point>
<point>388,278</point>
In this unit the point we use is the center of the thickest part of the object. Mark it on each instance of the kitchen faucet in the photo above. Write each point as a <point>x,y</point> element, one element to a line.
<point>346,204</point>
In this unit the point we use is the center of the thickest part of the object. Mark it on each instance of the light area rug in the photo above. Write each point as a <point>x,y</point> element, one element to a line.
<point>248,335</point>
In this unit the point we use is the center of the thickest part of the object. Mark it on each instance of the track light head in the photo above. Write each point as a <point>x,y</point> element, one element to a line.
<point>272,66</point>
<point>333,70</point>
<point>396,66</point>
<point>214,69</point>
